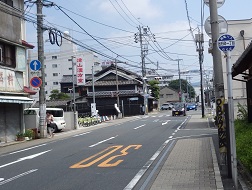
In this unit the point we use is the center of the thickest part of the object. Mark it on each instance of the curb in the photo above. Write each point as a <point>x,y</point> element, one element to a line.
<point>218,180</point>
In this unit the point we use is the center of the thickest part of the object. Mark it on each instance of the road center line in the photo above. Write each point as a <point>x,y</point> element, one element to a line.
<point>17,176</point>
<point>139,126</point>
<point>102,141</point>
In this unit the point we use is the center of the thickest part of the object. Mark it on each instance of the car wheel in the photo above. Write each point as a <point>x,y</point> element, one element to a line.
<point>55,129</point>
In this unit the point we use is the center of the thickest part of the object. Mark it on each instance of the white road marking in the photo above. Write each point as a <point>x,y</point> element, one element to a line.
<point>173,134</point>
<point>81,134</point>
<point>156,120</point>
<point>1,179</point>
<point>18,176</point>
<point>139,126</point>
<point>166,122</point>
<point>141,172</point>
<point>170,137</point>
<point>27,149</point>
<point>176,131</point>
<point>178,128</point>
<point>24,158</point>
<point>102,141</point>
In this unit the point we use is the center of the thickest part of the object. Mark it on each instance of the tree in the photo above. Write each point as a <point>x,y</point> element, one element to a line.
<point>154,88</point>
<point>184,86</point>
<point>56,95</point>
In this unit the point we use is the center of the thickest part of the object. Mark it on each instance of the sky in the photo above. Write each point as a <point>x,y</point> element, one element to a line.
<point>109,27</point>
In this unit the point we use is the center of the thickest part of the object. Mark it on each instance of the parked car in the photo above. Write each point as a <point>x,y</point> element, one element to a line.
<point>166,106</point>
<point>191,106</point>
<point>179,109</point>
<point>31,118</point>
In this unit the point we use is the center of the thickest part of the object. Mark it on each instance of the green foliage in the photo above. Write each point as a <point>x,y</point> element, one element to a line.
<point>174,84</point>
<point>28,133</point>
<point>243,133</point>
<point>19,135</point>
<point>56,95</point>
<point>242,113</point>
<point>154,88</point>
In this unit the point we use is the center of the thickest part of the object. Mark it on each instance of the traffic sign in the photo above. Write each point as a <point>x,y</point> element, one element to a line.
<point>35,65</point>
<point>226,43</point>
<point>35,82</point>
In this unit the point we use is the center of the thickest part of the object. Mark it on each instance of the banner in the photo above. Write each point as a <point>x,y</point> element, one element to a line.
<point>80,71</point>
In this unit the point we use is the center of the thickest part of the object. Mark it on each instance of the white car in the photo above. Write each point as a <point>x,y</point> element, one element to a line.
<point>166,106</point>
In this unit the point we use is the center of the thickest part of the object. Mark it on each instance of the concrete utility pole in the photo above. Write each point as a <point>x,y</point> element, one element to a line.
<point>200,40</point>
<point>42,98</point>
<point>180,88</point>
<point>218,81</point>
<point>143,53</point>
<point>217,61</point>
<point>74,104</point>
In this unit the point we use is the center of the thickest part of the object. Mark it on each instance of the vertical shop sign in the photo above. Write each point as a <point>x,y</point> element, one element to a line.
<point>80,71</point>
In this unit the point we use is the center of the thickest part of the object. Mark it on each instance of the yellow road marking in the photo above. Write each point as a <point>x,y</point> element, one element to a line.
<point>106,163</point>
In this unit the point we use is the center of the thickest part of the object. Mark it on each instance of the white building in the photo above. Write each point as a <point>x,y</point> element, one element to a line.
<point>58,63</point>
<point>241,31</point>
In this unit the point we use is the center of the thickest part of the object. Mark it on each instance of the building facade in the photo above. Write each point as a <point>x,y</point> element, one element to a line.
<point>59,63</point>
<point>13,93</point>
<point>241,31</point>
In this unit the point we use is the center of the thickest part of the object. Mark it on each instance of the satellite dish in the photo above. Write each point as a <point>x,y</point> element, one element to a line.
<point>223,26</point>
<point>219,3</point>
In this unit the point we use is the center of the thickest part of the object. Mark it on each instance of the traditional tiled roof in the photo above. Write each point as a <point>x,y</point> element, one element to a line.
<point>111,83</point>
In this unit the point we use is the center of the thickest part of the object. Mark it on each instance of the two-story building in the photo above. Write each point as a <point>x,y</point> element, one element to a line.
<point>13,93</point>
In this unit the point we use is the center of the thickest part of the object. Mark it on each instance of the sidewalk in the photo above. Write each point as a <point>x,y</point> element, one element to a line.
<point>192,164</point>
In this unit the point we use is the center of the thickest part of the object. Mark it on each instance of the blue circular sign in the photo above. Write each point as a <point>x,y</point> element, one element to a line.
<point>226,43</point>
<point>35,65</point>
<point>35,82</point>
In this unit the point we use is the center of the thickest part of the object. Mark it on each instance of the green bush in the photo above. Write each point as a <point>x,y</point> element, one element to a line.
<point>28,133</point>
<point>243,133</point>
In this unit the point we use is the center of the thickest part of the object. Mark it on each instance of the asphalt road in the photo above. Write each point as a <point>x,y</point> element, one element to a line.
<point>121,156</point>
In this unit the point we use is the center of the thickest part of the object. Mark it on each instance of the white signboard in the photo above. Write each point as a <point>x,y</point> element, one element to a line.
<point>80,71</point>
<point>7,80</point>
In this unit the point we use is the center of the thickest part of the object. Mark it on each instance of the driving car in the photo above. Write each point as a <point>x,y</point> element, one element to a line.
<point>166,106</point>
<point>179,109</point>
<point>191,106</point>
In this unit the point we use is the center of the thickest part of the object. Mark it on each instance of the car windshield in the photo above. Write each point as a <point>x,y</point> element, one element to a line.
<point>178,105</point>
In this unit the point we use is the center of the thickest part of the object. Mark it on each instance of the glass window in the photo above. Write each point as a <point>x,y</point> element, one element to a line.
<point>55,74</point>
<point>54,65</point>
<point>55,83</point>
<point>54,57</point>
<point>8,55</point>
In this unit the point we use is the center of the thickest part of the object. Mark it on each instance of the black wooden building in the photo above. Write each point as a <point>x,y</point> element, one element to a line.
<point>106,83</point>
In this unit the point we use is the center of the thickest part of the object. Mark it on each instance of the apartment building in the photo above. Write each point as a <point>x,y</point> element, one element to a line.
<point>58,64</point>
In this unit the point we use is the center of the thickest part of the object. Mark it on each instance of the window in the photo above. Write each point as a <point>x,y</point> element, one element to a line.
<point>55,74</point>
<point>7,55</point>
<point>70,68</point>
<point>54,57</point>
<point>55,83</point>
<point>46,92</point>
<point>45,83</point>
<point>54,65</point>
<point>8,2</point>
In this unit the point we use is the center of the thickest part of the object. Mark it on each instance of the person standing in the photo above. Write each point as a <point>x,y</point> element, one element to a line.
<point>49,121</point>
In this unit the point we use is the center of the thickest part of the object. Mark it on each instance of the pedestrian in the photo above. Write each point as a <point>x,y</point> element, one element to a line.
<point>49,121</point>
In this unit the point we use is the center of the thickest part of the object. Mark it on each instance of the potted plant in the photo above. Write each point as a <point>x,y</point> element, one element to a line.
<point>20,136</point>
<point>28,134</point>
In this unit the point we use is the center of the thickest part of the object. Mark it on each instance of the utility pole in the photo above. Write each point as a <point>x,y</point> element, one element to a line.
<point>144,51</point>
<point>200,40</point>
<point>42,98</point>
<point>218,81</point>
<point>74,104</point>
<point>180,88</point>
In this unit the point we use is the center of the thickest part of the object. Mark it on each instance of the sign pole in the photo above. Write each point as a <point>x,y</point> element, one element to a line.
<point>231,119</point>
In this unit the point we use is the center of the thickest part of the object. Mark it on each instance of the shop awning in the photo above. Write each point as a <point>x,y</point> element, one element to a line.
<point>16,100</point>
